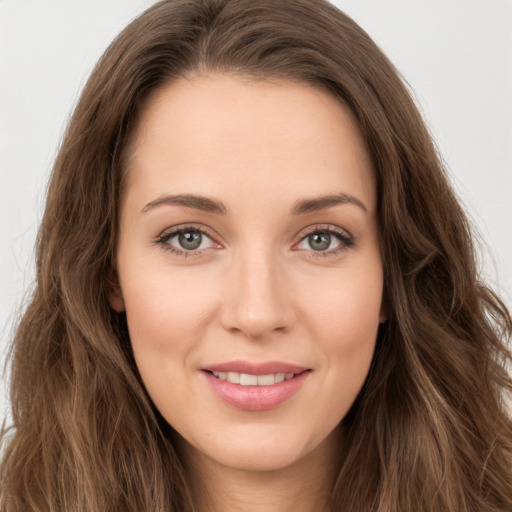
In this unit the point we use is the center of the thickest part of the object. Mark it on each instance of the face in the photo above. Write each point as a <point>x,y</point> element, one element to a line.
<point>249,266</point>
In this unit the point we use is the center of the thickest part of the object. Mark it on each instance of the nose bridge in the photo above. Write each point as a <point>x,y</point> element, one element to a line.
<point>258,302</point>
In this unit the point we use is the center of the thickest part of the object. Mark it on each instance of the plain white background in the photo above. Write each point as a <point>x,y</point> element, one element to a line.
<point>456,56</point>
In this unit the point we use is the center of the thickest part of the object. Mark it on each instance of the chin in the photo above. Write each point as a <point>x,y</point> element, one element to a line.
<point>255,459</point>
<point>259,448</point>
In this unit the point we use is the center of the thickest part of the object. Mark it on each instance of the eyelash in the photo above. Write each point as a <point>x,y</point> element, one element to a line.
<point>164,237</point>
<point>346,240</point>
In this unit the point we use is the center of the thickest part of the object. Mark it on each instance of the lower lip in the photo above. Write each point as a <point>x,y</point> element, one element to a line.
<point>256,398</point>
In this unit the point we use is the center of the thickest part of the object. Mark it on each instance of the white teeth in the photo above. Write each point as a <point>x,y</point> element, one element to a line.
<point>266,380</point>
<point>233,377</point>
<point>245,379</point>
<point>248,380</point>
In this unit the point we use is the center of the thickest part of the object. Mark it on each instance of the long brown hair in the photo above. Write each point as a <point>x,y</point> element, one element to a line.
<point>430,429</point>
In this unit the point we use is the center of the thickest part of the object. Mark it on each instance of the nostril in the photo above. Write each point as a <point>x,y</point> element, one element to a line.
<point>257,307</point>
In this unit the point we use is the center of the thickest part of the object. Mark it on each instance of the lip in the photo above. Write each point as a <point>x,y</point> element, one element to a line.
<point>255,368</point>
<point>255,398</point>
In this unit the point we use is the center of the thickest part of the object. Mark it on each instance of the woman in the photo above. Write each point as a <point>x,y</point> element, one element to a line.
<point>255,288</point>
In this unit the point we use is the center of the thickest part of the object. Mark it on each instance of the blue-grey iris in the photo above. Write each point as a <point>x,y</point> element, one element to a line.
<point>190,240</point>
<point>319,241</point>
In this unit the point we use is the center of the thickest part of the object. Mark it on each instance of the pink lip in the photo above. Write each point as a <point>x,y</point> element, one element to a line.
<point>255,368</point>
<point>256,398</point>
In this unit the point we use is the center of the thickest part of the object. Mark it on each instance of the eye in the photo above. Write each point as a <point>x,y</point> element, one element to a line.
<point>325,240</point>
<point>186,240</point>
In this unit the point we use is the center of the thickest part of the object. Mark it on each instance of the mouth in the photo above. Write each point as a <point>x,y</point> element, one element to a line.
<point>255,387</point>
<point>248,379</point>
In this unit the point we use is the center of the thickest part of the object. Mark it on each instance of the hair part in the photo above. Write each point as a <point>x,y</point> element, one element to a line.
<point>429,431</point>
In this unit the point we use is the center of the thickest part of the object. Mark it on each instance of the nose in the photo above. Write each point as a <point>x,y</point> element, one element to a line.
<point>258,300</point>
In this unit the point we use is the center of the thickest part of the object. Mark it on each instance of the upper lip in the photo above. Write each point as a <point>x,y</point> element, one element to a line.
<point>251,368</point>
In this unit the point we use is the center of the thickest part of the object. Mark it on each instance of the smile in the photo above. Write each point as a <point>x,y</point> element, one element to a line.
<point>255,387</point>
<point>246,379</point>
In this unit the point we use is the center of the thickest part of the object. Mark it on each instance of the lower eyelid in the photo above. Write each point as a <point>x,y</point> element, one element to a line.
<point>163,241</point>
<point>345,241</point>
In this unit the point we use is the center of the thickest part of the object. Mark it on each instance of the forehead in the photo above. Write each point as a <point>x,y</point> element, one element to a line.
<point>226,135</point>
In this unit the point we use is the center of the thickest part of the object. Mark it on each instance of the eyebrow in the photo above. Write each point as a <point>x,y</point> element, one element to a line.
<point>209,205</point>
<point>322,203</point>
<point>202,203</point>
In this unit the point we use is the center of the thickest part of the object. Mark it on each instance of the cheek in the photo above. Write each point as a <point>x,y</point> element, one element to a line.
<point>166,313</point>
<point>344,319</point>
<point>346,322</point>
<point>347,307</point>
<point>166,310</point>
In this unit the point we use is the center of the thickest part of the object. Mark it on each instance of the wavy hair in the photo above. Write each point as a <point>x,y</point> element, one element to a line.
<point>430,430</point>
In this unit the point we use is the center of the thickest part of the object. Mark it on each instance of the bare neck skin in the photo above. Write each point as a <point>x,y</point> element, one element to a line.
<point>304,486</point>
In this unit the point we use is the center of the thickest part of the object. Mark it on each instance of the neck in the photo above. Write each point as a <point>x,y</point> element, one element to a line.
<point>303,486</point>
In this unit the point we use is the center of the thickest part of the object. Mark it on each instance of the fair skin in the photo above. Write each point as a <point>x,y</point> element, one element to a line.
<point>249,244</point>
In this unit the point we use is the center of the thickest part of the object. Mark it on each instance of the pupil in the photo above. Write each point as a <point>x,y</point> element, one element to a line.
<point>320,241</point>
<point>190,240</point>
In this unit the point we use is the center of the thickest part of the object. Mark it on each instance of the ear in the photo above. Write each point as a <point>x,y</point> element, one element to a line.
<point>115,294</point>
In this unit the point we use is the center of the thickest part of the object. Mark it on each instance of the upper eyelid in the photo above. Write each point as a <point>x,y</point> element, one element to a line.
<point>173,231</point>
<point>208,231</point>
<point>299,236</point>
<point>322,227</point>
<point>345,238</point>
<point>166,235</point>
